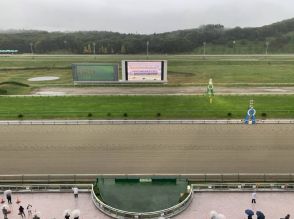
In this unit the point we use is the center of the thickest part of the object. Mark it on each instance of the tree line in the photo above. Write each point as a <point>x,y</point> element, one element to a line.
<point>279,37</point>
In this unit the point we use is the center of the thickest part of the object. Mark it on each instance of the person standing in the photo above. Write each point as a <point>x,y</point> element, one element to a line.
<point>8,196</point>
<point>253,196</point>
<point>29,209</point>
<point>5,212</point>
<point>21,211</point>
<point>76,192</point>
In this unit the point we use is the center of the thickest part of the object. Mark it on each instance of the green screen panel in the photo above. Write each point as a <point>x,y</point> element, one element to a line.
<point>95,72</point>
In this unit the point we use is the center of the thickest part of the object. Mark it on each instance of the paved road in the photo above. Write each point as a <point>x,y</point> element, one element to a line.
<point>48,149</point>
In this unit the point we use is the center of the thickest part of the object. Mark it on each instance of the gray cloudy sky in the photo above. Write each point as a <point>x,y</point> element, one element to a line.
<point>142,16</point>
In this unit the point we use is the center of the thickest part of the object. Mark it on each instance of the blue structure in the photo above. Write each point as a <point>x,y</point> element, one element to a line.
<point>250,116</point>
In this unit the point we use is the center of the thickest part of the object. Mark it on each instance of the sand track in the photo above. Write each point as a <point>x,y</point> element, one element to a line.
<point>160,90</point>
<point>146,148</point>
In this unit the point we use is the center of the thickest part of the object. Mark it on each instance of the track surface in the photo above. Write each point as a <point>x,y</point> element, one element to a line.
<point>49,149</point>
<point>161,90</point>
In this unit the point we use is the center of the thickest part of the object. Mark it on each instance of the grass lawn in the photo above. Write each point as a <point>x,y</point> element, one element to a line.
<point>143,107</point>
<point>183,70</point>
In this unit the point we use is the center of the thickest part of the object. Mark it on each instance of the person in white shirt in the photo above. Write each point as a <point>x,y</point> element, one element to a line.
<point>76,191</point>
<point>253,195</point>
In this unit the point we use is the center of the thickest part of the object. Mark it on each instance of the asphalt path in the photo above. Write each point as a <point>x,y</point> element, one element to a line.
<point>98,149</point>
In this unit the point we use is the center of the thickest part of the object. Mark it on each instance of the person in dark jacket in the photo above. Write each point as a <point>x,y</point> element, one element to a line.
<point>5,213</point>
<point>21,211</point>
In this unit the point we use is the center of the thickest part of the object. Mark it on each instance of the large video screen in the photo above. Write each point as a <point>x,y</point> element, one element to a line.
<point>144,70</point>
<point>94,72</point>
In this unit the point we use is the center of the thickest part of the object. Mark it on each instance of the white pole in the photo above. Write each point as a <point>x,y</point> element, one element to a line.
<point>147,49</point>
<point>32,51</point>
<point>94,45</point>
<point>204,44</point>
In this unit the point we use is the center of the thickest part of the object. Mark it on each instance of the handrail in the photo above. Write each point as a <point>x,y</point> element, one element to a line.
<point>244,187</point>
<point>193,178</point>
<point>127,121</point>
<point>117,213</point>
<point>46,187</point>
<point>114,122</point>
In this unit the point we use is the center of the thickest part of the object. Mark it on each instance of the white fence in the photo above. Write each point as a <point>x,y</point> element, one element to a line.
<point>125,122</point>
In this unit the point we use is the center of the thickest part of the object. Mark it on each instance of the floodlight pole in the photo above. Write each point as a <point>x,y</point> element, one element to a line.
<point>266,47</point>
<point>204,52</point>
<point>32,51</point>
<point>234,46</point>
<point>94,50</point>
<point>65,47</point>
<point>147,49</point>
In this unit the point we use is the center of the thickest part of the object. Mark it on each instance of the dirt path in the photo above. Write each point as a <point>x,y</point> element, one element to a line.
<point>161,149</point>
<point>161,90</point>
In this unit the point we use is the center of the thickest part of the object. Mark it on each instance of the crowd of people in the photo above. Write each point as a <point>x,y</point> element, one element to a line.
<point>27,212</point>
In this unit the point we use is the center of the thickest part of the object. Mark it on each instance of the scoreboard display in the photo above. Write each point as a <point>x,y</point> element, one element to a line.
<point>144,71</point>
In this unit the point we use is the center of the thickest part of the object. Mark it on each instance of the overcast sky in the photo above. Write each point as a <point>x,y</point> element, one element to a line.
<point>139,16</point>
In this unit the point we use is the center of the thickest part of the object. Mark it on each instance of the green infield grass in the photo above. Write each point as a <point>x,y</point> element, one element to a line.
<point>183,70</point>
<point>144,107</point>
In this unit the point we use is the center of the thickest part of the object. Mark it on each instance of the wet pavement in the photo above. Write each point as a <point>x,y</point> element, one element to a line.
<point>274,205</point>
<point>52,205</point>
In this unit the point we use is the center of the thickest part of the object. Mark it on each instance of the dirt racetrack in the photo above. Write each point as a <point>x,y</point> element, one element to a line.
<point>160,90</point>
<point>49,149</point>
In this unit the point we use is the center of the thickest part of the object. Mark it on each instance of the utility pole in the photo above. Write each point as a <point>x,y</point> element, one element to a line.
<point>204,52</point>
<point>65,46</point>
<point>32,51</point>
<point>94,50</point>
<point>147,49</point>
<point>266,47</point>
